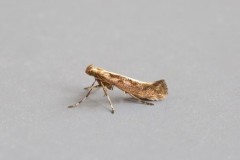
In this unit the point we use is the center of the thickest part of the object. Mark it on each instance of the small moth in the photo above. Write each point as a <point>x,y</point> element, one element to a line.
<point>141,91</point>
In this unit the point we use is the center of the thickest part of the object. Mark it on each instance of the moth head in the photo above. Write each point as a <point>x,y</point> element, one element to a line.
<point>91,70</point>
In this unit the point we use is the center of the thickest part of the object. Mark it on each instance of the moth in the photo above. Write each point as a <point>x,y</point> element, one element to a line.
<point>141,91</point>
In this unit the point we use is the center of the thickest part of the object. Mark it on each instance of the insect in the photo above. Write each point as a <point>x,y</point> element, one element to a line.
<point>141,91</point>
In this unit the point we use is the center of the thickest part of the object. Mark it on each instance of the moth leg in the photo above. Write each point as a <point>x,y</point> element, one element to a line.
<point>105,91</point>
<point>139,100</point>
<point>97,86</point>
<point>76,104</point>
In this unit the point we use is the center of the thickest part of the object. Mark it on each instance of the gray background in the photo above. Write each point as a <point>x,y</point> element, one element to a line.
<point>46,45</point>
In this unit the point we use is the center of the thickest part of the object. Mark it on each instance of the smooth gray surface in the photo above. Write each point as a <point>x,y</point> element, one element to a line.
<point>45,47</point>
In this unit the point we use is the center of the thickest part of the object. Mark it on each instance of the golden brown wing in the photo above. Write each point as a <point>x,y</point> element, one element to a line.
<point>156,91</point>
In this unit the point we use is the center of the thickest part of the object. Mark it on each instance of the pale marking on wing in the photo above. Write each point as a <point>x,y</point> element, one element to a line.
<point>129,78</point>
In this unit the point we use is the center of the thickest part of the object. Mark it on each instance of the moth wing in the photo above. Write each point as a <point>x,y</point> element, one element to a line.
<point>160,88</point>
<point>109,86</point>
<point>155,91</point>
